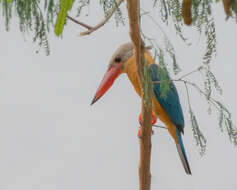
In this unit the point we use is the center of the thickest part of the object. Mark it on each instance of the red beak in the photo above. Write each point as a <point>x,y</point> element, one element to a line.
<point>107,81</point>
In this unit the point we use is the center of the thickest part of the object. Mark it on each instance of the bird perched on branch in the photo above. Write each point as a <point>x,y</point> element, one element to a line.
<point>168,109</point>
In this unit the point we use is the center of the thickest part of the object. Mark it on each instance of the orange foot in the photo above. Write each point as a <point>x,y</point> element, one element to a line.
<point>154,119</point>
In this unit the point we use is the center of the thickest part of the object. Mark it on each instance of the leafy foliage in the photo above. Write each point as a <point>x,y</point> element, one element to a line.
<point>82,4</point>
<point>31,18</point>
<point>163,75</point>
<point>225,119</point>
<point>234,6</point>
<point>197,134</point>
<point>169,48</point>
<point>107,5</point>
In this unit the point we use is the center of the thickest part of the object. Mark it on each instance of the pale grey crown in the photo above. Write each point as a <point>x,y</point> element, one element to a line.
<point>122,54</point>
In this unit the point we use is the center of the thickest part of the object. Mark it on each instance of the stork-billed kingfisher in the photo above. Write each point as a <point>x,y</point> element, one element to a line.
<point>167,109</point>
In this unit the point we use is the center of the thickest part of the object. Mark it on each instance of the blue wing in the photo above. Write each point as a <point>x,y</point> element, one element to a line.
<point>171,103</point>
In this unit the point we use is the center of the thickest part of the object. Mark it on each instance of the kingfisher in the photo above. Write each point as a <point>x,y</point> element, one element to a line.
<point>168,109</point>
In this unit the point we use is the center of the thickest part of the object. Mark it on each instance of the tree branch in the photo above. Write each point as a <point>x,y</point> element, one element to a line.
<point>100,24</point>
<point>212,100</point>
<point>133,7</point>
<point>198,69</point>
<point>80,23</point>
<point>159,126</point>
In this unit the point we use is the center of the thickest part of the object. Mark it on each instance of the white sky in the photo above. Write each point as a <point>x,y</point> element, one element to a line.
<point>52,139</point>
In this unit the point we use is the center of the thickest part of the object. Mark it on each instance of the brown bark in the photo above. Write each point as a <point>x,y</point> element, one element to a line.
<point>133,7</point>
<point>226,4</point>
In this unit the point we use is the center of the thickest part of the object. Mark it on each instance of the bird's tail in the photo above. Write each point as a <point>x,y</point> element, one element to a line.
<point>182,154</point>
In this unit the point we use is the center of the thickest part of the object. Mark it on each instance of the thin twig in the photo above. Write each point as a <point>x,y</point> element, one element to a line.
<point>110,13</point>
<point>180,79</point>
<point>189,102</point>
<point>80,23</point>
<point>158,126</point>
<point>194,71</point>
<point>212,100</point>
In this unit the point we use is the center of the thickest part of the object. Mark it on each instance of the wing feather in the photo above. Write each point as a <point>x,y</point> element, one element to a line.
<point>170,103</point>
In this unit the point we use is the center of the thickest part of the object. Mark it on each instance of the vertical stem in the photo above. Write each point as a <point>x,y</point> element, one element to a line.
<point>133,7</point>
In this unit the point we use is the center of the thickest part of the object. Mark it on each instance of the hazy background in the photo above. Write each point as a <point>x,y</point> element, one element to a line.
<point>52,139</point>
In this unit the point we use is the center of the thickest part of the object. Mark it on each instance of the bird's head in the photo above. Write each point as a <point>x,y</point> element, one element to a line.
<point>116,67</point>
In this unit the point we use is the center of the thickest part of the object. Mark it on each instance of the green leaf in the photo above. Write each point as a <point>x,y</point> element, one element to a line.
<point>234,6</point>
<point>164,76</point>
<point>197,134</point>
<point>65,6</point>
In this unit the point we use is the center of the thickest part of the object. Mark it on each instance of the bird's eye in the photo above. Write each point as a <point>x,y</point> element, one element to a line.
<point>117,59</point>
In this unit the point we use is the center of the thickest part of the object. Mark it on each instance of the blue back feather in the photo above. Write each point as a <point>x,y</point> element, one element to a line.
<point>171,103</point>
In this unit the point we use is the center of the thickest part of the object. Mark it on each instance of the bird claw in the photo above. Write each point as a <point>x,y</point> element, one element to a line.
<point>139,132</point>
<point>154,119</point>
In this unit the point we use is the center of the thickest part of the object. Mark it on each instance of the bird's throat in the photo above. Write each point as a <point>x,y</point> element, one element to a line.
<point>131,72</point>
